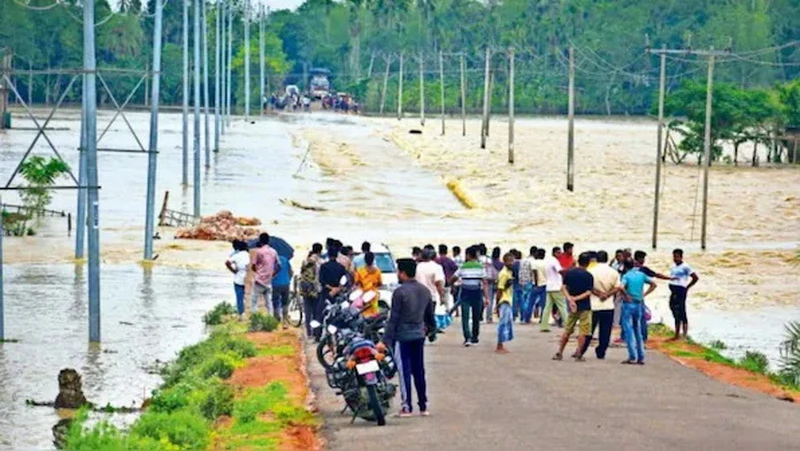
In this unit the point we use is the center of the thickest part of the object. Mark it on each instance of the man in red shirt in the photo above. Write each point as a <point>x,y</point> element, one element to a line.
<point>566,259</point>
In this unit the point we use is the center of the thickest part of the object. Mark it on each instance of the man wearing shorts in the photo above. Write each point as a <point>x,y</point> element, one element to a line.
<point>682,277</point>
<point>577,288</point>
<point>553,285</point>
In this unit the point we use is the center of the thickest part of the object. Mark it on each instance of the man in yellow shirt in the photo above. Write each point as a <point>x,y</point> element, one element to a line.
<point>368,278</point>
<point>505,292</point>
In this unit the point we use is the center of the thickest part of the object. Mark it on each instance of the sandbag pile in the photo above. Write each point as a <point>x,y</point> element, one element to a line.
<point>223,226</point>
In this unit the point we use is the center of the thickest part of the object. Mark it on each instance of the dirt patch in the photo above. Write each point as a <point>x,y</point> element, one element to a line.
<point>300,438</point>
<point>719,371</point>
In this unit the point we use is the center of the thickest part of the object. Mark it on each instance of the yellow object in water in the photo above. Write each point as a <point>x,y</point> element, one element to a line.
<point>455,187</point>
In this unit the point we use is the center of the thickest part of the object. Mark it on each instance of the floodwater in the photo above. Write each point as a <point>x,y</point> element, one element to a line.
<point>148,315</point>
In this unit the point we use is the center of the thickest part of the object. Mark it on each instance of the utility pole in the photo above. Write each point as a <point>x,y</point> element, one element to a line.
<point>152,156</point>
<point>707,146</point>
<point>185,154</point>
<point>229,62</point>
<point>261,62</point>
<point>2,306</point>
<point>571,122</point>
<point>90,71</point>
<point>441,86</point>
<point>222,55</point>
<point>80,220</point>
<point>711,54</point>
<point>385,83</point>
<point>662,80</point>
<point>421,89</point>
<point>205,84</point>
<point>463,96</point>
<point>400,91</point>
<point>485,120</point>
<point>511,106</point>
<point>217,54</point>
<point>246,60</point>
<point>196,104</point>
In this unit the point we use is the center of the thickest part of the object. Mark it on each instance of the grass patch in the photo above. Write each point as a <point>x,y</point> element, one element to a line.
<point>276,350</point>
<point>260,322</point>
<point>219,314</point>
<point>755,362</point>
<point>718,345</point>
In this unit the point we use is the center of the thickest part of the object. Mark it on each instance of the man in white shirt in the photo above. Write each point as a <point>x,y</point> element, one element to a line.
<point>539,293</point>
<point>527,281</point>
<point>682,278</point>
<point>554,281</point>
<point>606,285</point>
<point>431,275</point>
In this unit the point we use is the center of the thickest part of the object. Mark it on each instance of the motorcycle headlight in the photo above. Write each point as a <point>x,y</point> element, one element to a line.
<point>332,329</point>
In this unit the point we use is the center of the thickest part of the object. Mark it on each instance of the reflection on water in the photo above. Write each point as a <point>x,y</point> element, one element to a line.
<point>147,314</point>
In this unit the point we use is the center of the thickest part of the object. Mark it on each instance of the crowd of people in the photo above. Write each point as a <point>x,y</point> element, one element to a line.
<point>586,292</point>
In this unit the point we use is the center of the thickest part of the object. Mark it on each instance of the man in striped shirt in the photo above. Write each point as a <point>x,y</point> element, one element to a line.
<point>474,295</point>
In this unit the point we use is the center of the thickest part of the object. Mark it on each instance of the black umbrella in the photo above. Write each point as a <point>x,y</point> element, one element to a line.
<point>280,245</point>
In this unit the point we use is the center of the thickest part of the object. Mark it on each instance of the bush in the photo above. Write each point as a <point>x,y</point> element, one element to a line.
<point>217,401</point>
<point>790,355</point>
<point>260,322</point>
<point>218,314</point>
<point>755,361</point>
<point>220,365</point>
<point>183,428</point>
<point>718,344</point>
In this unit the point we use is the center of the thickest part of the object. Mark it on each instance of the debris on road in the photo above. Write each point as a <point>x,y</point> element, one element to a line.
<point>223,226</point>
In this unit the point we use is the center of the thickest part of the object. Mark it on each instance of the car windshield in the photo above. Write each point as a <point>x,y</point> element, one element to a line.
<point>384,262</point>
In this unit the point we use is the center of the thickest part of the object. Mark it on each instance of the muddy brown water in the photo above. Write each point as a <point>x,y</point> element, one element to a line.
<point>148,315</point>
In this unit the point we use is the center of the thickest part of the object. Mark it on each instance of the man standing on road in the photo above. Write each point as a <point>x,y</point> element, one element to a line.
<point>309,285</point>
<point>555,299</point>
<point>474,292</point>
<point>683,278</point>
<point>281,284</point>
<point>449,267</point>
<point>330,276</point>
<point>633,283</point>
<point>606,285</point>
<point>539,292</point>
<point>565,258</point>
<point>527,280</point>
<point>639,263</point>
<point>410,319</point>
<point>431,275</point>
<point>265,264</point>
<point>577,288</point>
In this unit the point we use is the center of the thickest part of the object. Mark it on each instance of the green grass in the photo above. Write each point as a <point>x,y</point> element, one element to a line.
<point>260,322</point>
<point>718,344</point>
<point>277,350</point>
<point>218,314</point>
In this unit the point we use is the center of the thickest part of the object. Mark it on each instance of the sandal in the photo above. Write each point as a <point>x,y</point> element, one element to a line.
<point>629,362</point>
<point>558,356</point>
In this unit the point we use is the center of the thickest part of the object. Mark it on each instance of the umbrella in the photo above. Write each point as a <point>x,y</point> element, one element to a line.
<point>280,245</point>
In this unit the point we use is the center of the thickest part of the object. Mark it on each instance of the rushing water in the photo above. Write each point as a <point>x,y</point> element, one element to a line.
<point>150,314</point>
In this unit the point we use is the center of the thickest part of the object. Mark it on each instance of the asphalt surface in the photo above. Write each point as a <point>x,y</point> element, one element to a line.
<point>523,400</point>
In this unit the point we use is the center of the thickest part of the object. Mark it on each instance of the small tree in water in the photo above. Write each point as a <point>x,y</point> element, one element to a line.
<point>40,174</point>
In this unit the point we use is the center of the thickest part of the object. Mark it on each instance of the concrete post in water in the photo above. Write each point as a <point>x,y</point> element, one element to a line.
<point>222,56</point>
<point>571,123</point>
<point>484,125</point>
<point>707,146</point>
<point>229,61</point>
<point>217,66</point>
<point>421,89</point>
<point>90,67</point>
<point>463,96</point>
<point>204,30</point>
<point>246,46</point>
<point>385,83</point>
<point>400,90</point>
<point>185,155</point>
<point>80,225</point>
<point>660,144</point>
<point>511,106</point>
<point>152,157</point>
<point>196,104</point>
<point>441,86</point>
<point>261,62</point>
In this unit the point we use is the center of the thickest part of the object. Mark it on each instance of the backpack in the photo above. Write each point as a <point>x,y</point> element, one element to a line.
<point>309,286</point>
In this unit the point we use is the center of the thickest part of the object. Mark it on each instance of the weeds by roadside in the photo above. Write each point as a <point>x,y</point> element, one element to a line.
<point>260,322</point>
<point>218,314</point>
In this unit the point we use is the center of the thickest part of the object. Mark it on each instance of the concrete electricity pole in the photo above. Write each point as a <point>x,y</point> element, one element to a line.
<point>571,123</point>
<point>205,86</point>
<point>185,154</point>
<point>152,156</point>
<point>196,104</point>
<point>246,47</point>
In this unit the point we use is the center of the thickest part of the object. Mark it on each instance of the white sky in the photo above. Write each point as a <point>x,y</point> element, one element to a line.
<point>279,4</point>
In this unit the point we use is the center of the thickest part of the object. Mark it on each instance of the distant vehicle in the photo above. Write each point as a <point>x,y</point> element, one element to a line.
<point>319,84</point>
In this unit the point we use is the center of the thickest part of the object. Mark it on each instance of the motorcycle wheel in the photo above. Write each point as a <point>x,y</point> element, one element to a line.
<point>375,405</point>
<point>325,353</point>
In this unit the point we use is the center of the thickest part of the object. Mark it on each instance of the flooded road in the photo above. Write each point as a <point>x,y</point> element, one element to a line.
<point>366,186</point>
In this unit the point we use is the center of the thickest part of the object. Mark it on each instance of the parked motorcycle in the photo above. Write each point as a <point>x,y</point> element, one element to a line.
<point>361,374</point>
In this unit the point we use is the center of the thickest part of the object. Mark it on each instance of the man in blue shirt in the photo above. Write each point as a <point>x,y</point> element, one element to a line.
<point>633,292</point>
<point>280,290</point>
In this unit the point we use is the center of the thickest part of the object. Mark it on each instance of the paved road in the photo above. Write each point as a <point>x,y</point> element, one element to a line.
<point>523,400</point>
